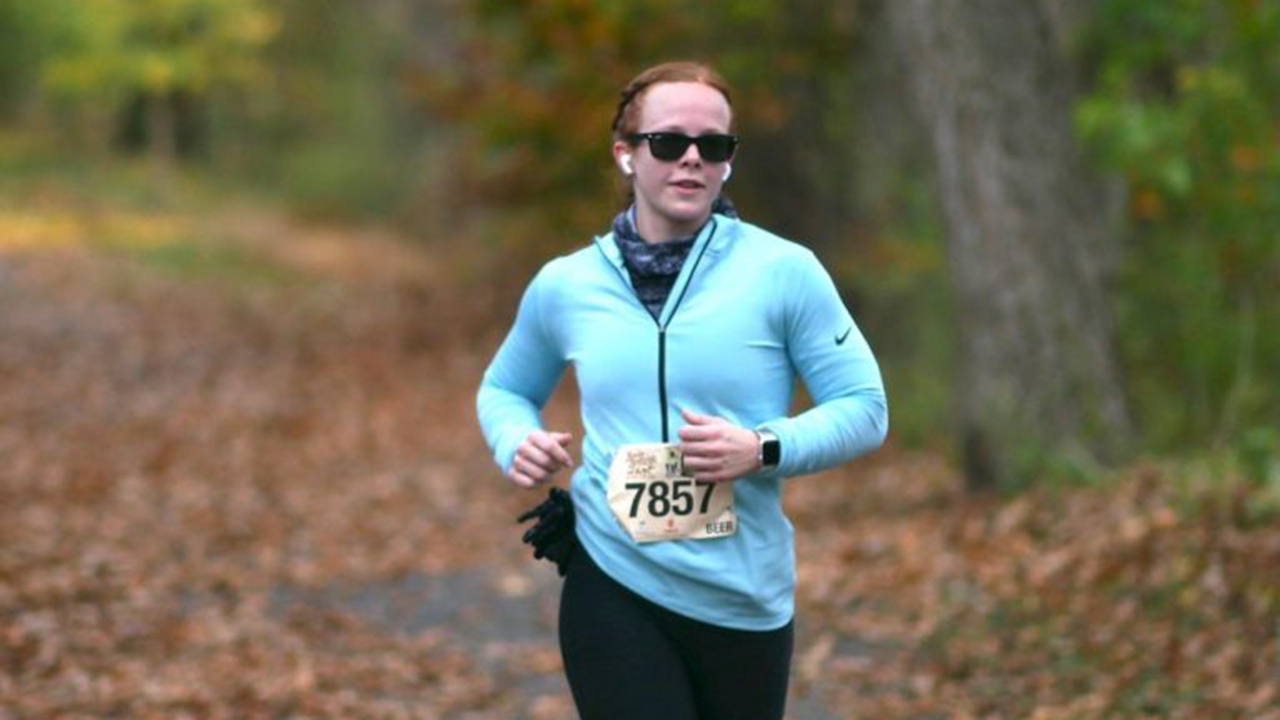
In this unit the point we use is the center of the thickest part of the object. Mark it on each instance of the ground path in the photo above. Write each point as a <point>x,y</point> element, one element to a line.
<point>240,479</point>
<point>245,481</point>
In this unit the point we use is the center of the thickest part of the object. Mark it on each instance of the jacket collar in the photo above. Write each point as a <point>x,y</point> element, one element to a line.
<point>715,236</point>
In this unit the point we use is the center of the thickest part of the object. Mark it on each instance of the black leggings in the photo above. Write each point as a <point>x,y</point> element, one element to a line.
<point>626,657</point>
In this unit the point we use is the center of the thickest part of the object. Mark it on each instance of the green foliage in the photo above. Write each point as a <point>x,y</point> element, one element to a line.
<point>95,72</point>
<point>326,137</point>
<point>155,46</point>
<point>338,180</point>
<point>1187,107</point>
<point>903,306</point>
<point>295,97</point>
<point>18,53</point>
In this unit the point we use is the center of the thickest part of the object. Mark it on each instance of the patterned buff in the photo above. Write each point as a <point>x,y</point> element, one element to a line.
<point>654,266</point>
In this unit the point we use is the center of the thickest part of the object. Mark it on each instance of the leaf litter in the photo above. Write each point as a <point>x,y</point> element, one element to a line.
<point>178,457</point>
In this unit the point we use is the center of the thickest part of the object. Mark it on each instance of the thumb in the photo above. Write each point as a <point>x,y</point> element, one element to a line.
<point>562,440</point>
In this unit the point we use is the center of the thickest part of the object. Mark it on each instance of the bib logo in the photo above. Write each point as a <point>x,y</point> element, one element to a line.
<point>641,464</point>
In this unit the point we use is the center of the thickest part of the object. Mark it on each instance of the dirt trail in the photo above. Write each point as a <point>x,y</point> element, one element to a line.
<point>264,501</point>
<point>240,478</point>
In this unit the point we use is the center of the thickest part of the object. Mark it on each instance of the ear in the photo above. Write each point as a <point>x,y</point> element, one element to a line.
<point>622,156</point>
<point>728,170</point>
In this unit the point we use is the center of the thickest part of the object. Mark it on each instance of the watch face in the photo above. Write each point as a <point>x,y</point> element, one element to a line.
<point>770,452</point>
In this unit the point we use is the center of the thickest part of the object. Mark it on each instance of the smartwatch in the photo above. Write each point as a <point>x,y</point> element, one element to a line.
<point>770,453</point>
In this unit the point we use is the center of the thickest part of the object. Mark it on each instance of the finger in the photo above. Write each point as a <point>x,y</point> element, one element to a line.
<point>696,418</point>
<point>561,448</point>
<point>528,472</point>
<point>705,448</point>
<point>520,478</point>
<point>703,464</point>
<point>552,446</point>
<point>696,433</point>
<point>715,474</point>
<point>531,471</point>
<point>533,454</point>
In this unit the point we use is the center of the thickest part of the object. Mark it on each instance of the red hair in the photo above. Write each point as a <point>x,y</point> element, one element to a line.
<point>627,119</point>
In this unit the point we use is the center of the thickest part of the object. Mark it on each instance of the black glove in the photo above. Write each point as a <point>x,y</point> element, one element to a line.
<point>552,536</point>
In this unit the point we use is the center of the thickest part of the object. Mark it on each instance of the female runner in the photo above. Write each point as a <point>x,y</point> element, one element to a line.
<point>686,327</point>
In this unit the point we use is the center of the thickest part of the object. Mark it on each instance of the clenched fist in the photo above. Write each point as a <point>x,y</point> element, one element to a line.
<point>539,457</point>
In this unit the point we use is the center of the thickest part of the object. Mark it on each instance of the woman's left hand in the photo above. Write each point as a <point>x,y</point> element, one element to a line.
<point>716,449</point>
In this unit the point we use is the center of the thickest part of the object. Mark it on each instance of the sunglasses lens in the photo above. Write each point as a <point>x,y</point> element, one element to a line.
<point>716,148</point>
<point>665,146</point>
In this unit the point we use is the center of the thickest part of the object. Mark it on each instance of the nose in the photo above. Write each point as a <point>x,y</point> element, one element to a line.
<point>690,155</point>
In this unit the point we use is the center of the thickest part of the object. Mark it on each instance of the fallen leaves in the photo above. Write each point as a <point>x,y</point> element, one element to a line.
<point>194,478</point>
<point>1137,599</point>
<point>175,453</point>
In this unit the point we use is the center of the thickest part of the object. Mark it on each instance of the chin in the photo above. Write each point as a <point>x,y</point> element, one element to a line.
<point>685,213</point>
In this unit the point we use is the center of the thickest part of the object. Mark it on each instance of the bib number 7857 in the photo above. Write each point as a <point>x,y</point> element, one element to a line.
<point>653,499</point>
<point>674,497</point>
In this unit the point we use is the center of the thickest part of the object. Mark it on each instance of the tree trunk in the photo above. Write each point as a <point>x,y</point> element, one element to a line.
<point>1030,235</point>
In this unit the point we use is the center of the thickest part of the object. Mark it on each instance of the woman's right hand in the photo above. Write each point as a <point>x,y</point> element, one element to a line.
<point>539,457</point>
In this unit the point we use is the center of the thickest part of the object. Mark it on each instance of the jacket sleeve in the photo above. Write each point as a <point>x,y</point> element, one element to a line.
<point>520,378</point>
<point>850,413</point>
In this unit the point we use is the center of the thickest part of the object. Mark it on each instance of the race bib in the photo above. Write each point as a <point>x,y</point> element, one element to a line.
<point>653,499</point>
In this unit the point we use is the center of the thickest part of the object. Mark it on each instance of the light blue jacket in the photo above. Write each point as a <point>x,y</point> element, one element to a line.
<point>748,313</point>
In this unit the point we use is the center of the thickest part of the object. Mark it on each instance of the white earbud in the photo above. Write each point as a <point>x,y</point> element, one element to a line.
<point>625,161</point>
<point>728,170</point>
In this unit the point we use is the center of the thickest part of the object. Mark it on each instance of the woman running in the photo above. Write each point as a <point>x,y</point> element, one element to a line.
<point>687,328</point>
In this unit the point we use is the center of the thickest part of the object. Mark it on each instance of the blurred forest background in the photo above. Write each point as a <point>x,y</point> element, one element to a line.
<point>255,253</point>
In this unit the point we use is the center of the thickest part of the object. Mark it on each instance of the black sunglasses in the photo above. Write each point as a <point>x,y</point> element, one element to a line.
<point>669,146</point>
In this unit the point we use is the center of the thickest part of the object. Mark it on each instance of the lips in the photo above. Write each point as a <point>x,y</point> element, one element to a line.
<point>687,184</point>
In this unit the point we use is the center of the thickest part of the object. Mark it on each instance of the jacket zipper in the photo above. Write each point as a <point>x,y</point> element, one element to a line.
<point>662,379</point>
<point>662,333</point>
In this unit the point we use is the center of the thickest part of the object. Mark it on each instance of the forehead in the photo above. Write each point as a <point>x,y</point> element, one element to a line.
<point>688,106</point>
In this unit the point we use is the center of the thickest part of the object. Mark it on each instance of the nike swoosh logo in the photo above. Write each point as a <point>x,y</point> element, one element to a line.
<point>841,338</point>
